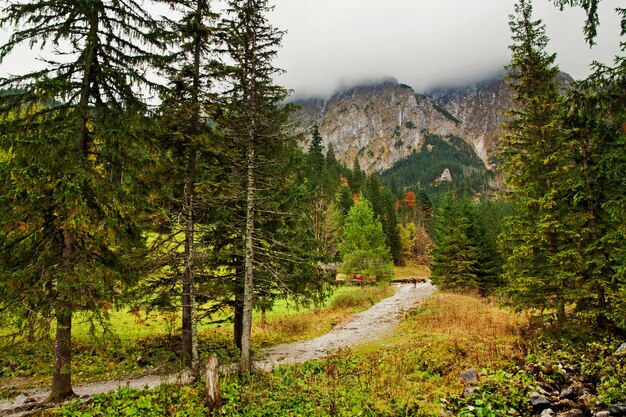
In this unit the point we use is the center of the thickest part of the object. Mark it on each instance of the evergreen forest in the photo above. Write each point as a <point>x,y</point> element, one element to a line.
<point>158,212</point>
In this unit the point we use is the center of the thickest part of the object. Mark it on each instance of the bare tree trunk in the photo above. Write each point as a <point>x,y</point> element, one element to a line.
<point>238,320</point>
<point>62,377</point>
<point>190,344</point>
<point>189,323</point>
<point>248,283</point>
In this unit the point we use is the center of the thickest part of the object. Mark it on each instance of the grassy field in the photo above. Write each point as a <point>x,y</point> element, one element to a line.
<point>410,374</point>
<point>413,373</point>
<point>148,344</point>
<point>408,271</point>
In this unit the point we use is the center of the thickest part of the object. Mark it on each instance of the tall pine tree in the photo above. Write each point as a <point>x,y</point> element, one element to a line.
<point>67,218</point>
<point>542,263</point>
<point>254,120</point>
<point>186,137</point>
<point>594,114</point>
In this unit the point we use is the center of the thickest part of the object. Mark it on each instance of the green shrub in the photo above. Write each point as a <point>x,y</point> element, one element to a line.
<point>171,400</point>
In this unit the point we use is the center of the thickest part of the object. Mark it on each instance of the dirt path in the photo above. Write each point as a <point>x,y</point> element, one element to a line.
<point>373,324</point>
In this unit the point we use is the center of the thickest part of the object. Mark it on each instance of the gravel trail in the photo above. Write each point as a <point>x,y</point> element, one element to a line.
<point>371,325</point>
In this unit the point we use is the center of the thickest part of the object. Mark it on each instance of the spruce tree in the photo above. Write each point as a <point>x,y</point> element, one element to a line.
<point>542,264</point>
<point>357,177</point>
<point>383,204</point>
<point>594,114</point>
<point>315,159</point>
<point>67,219</point>
<point>254,121</point>
<point>456,251</point>
<point>185,134</point>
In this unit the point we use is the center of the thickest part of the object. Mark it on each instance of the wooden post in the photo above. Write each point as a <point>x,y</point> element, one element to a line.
<point>212,382</point>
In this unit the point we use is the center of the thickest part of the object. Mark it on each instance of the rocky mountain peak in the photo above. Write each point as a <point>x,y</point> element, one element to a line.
<point>379,124</point>
<point>383,122</point>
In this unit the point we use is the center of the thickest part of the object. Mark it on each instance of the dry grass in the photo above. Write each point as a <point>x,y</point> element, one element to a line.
<point>477,329</point>
<point>346,302</point>
<point>408,374</point>
<point>408,271</point>
<point>361,299</point>
<point>290,329</point>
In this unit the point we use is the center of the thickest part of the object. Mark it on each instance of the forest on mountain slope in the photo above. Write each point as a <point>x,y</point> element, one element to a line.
<point>206,209</point>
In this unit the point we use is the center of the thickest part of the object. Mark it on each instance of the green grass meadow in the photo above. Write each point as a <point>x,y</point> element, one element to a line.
<point>138,343</point>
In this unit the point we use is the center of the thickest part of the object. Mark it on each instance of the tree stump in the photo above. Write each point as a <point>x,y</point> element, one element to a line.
<point>212,382</point>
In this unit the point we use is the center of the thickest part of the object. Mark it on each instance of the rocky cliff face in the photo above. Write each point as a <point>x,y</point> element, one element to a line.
<point>481,108</point>
<point>383,123</point>
<point>378,124</point>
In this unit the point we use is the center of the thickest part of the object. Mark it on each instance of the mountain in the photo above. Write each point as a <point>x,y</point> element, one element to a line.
<point>445,138</point>
<point>481,108</point>
<point>380,124</point>
<point>384,123</point>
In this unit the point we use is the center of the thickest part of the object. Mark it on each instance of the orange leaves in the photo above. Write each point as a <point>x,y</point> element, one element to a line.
<point>410,200</point>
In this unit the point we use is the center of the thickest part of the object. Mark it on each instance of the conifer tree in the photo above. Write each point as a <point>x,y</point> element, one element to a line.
<point>464,254</point>
<point>456,252</point>
<point>330,180</point>
<point>254,121</point>
<point>315,159</point>
<point>541,262</point>
<point>594,114</point>
<point>67,218</point>
<point>357,177</point>
<point>383,204</point>
<point>187,106</point>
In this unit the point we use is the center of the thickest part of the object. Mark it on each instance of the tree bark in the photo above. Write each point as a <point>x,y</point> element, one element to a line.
<point>189,348</point>
<point>189,323</point>
<point>61,377</point>
<point>212,382</point>
<point>248,283</point>
<point>238,321</point>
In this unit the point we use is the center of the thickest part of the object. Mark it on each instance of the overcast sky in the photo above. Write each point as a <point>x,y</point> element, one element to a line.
<point>423,43</point>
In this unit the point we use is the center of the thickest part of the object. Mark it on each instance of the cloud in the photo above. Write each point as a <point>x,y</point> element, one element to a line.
<point>422,43</point>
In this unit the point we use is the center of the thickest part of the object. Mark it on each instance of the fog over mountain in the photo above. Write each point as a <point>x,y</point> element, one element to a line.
<point>331,45</point>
